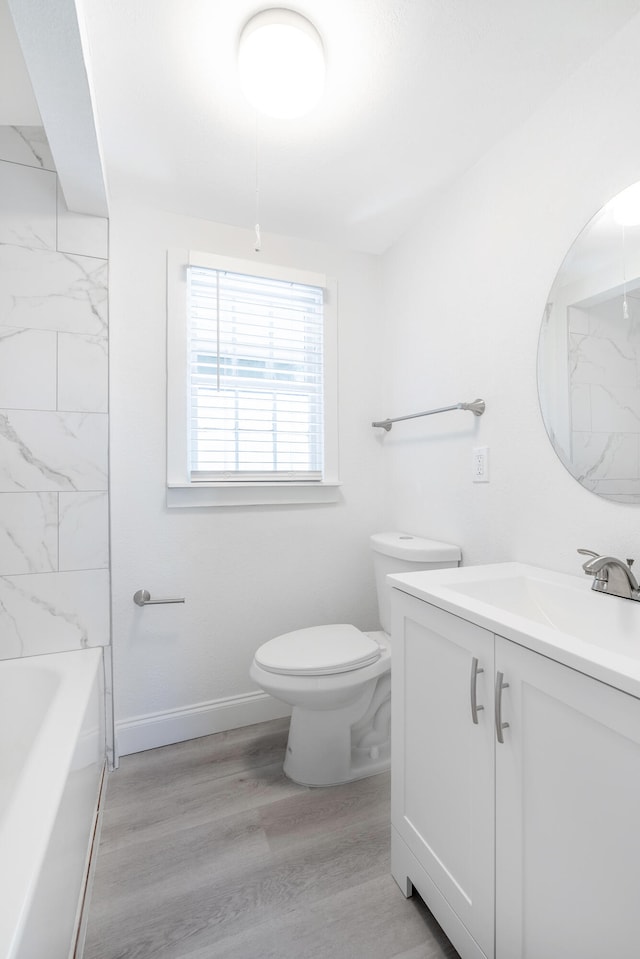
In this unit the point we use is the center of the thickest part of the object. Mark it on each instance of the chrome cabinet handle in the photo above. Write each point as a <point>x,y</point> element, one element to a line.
<point>475,709</point>
<point>500,685</point>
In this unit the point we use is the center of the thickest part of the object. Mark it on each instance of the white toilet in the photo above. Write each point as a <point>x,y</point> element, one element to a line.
<point>338,679</point>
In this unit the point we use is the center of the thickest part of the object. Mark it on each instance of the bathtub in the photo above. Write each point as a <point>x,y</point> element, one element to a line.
<point>51,770</point>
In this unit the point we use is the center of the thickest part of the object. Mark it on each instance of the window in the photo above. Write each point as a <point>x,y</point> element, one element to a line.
<point>252,383</point>
<point>256,377</point>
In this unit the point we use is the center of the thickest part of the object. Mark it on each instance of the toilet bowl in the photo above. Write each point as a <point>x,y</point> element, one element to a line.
<point>337,678</point>
<point>331,692</point>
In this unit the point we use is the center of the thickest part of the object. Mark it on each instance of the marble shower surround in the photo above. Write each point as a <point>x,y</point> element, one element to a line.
<point>54,546</point>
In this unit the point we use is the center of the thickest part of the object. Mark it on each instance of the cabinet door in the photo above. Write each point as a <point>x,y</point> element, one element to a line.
<point>443,762</point>
<point>567,814</point>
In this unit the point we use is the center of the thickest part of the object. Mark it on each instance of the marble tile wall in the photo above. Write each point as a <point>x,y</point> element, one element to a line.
<point>604,383</point>
<point>54,532</point>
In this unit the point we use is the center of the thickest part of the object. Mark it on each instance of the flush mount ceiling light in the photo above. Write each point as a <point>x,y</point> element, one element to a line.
<point>281,63</point>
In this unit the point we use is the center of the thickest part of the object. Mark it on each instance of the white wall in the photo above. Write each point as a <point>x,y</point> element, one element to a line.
<point>247,574</point>
<point>465,292</point>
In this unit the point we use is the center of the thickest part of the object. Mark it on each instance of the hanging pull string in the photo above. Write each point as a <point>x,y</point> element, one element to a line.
<point>258,240</point>
<point>625,307</point>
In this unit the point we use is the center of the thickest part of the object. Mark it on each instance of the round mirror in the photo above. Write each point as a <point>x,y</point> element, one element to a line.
<point>589,354</point>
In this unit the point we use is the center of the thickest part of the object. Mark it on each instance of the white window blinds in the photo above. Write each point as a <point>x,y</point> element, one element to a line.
<point>256,378</point>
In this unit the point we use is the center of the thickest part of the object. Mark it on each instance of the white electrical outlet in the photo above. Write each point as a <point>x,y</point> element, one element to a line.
<point>480,464</point>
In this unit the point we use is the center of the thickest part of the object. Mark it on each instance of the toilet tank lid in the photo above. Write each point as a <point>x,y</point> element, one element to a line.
<point>415,549</point>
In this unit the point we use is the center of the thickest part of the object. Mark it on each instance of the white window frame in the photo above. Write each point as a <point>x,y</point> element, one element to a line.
<point>181,490</point>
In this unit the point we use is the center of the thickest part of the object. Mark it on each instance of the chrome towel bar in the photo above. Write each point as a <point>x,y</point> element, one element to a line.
<point>477,408</point>
<point>143,598</point>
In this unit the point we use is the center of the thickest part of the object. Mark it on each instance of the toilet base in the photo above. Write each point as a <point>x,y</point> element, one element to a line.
<point>355,772</point>
<point>330,747</point>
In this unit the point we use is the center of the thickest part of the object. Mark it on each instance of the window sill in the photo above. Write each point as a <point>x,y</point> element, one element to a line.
<point>248,494</point>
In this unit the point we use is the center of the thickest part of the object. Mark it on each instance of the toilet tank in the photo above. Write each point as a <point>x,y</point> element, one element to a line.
<point>404,553</point>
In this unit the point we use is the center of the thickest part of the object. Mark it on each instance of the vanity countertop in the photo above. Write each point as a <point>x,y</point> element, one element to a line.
<point>551,613</point>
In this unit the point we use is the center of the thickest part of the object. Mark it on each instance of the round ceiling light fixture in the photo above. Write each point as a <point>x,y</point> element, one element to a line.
<point>281,63</point>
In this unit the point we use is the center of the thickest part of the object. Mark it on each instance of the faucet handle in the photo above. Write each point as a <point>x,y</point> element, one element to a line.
<point>630,563</point>
<point>588,552</point>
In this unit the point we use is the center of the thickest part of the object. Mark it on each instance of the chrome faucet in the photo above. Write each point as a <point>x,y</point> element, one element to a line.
<point>611,575</point>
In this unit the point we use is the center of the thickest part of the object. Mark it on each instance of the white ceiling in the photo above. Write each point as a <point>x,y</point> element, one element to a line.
<point>417,91</point>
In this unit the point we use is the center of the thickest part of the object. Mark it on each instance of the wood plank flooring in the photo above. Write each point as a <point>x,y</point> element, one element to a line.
<point>208,851</point>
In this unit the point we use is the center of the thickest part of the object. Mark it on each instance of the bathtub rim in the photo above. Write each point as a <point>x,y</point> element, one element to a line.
<point>33,809</point>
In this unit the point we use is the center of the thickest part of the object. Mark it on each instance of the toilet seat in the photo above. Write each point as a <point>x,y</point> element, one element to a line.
<point>318,651</point>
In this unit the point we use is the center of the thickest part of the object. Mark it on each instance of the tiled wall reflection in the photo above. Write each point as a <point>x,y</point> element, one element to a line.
<point>54,546</point>
<point>603,351</point>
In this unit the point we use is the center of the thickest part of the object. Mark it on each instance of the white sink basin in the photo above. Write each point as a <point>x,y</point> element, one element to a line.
<point>527,595</point>
<point>568,607</point>
<point>553,613</point>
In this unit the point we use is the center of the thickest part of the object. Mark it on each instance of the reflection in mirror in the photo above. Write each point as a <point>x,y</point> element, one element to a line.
<point>589,354</point>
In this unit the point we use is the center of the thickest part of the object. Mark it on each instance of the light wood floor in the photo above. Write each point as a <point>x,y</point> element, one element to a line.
<point>209,852</point>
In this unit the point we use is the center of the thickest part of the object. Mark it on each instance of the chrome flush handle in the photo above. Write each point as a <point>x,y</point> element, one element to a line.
<point>500,685</point>
<point>475,709</point>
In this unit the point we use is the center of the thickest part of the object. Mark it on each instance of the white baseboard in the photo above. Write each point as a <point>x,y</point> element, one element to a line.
<point>177,725</point>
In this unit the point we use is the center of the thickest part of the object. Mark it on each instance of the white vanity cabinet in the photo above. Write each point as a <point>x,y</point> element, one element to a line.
<point>442,793</point>
<point>528,847</point>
